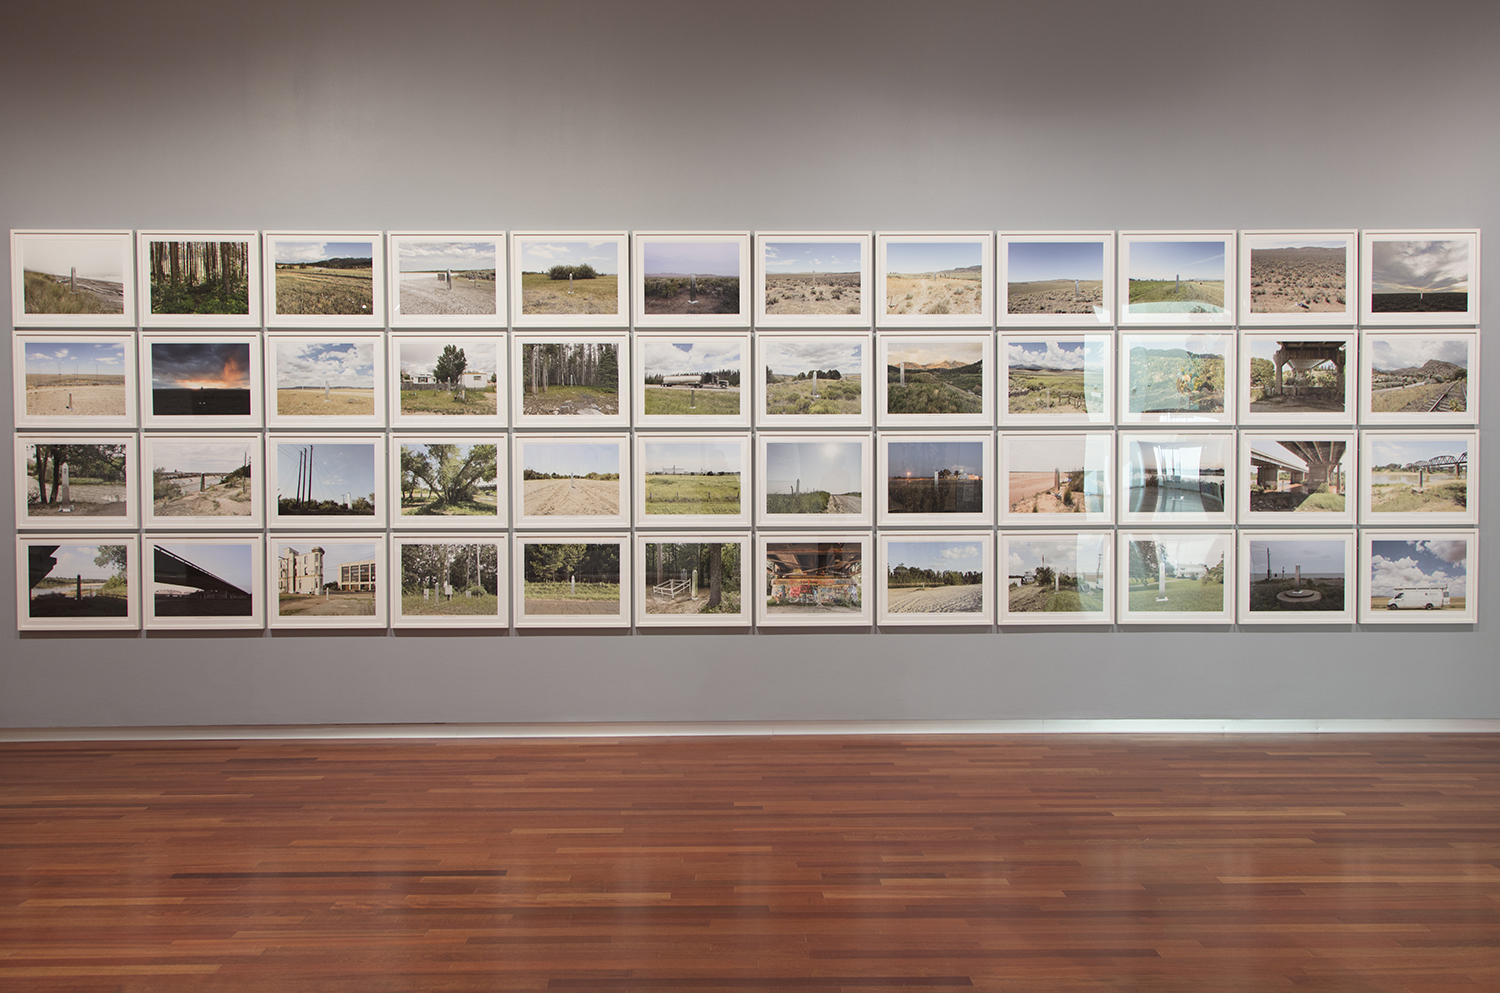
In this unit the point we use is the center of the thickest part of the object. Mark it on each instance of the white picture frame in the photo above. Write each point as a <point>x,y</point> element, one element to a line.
<point>580,302</point>
<point>935,479</point>
<point>1298,278</point>
<point>94,488</point>
<point>925,593</point>
<point>1298,477</point>
<point>570,405</point>
<point>209,381</point>
<point>1396,265</point>
<point>1190,595</point>
<point>809,276</point>
<point>1419,378</point>
<point>1034,269</point>
<point>310,477</point>
<point>671,598</point>
<point>446,280</point>
<point>80,279</point>
<point>1055,380</point>
<point>210,255</point>
<point>1323,390</point>
<point>301,293</point>
<point>352,390</point>
<point>562,495</point>
<point>814,579</point>
<point>804,395</point>
<point>1168,477</point>
<point>418,399</point>
<point>68,381</point>
<point>558,598</point>
<point>202,482</point>
<point>785,462</point>
<point>47,601</point>
<point>303,569</point>
<point>1192,262</point>
<point>203,582</point>
<point>1085,558</point>
<point>675,474</point>
<point>923,279</point>
<point>676,267</point>
<point>1280,593</point>
<point>705,380</point>
<point>1170,378</point>
<point>1436,567</point>
<point>1038,473</point>
<point>943,383</point>
<point>1425,489</point>
<point>441,603</point>
<point>460,462</point>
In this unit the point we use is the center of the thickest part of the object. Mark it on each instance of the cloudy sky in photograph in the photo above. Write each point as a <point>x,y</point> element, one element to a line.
<point>78,560</point>
<point>54,357</point>
<point>302,362</point>
<point>811,256</point>
<point>667,358</point>
<point>1062,554</point>
<point>917,352</point>
<point>1316,557</point>
<point>414,255</point>
<point>1057,353</point>
<point>541,254</point>
<point>295,251</point>
<point>787,357</point>
<point>1410,351</point>
<point>200,456</point>
<point>187,365</point>
<point>102,257</point>
<point>1397,564</point>
<point>939,555</point>
<point>1419,266</point>
<point>480,354</point>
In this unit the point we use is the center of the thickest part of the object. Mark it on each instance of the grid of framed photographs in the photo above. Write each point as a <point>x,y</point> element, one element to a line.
<point>235,430</point>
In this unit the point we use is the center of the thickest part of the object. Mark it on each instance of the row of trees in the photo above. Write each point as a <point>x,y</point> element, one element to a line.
<point>905,575</point>
<point>772,377</point>
<point>595,365</point>
<point>463,567</point>
<point>199,277</point>
<point>584,271</point>
<point>730,376</point>
<point>717,565</point>
<point>583,562</point>
<point>533,474</point>
<point>1148,560</point>
<point>94,463</point>
<point>451,473</point>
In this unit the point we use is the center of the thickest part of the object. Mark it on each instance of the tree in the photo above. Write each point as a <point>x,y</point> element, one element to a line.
<point>451,364</point>
<point>451,473</point>
<point>414,466</point>
<point>715,574</point>
<point>552,562</point>
<point>116,557</point>
<point>1045,575</point>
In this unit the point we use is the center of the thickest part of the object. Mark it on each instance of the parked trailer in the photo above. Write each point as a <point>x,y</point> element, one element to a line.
<point>1419,597</point>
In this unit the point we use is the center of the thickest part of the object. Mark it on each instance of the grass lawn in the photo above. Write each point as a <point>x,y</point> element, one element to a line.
<point>1438,498</point>
<point>795,396</point>
<point>662,400</point>
<point>323,291</point>
<point>483,505</point>
<point>1263,596</point>
<point>1034,599</point>
<point>1182,595</point>
<point>479,605</point>
<point>445,402</point>
<point>693,494</point>
<point>1209,291</point>
<point>930,398</point>
<point>582,591</point>
<point>541,294</point>
<point>815,502</point>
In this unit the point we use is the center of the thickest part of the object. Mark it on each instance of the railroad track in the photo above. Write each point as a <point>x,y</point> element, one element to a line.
<point>1453,398</point>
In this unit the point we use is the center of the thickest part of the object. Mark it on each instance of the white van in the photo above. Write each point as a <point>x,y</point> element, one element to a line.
<point>1413,597</point>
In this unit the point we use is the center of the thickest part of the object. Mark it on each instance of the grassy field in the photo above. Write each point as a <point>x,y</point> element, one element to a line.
<point>795,396</point>
<point>1037,599</point>
<point>45,294</point>
<point>425,504</point>
<point>946,496</point>
<point>567,400</point>
<point>814,502</point>
<point>445,402</point>
<point>1438,498</point>
<point>674,401</point>
<point>1061,391</point>
<point>1263,596</point>
<point>1054,296</point>
<point>316,290</point>
<point>596,592</point>
<point>812,293</point>
<point>1182,595</point>
<point>674,295</point>
<point>541,294</point>
<point>931,398</point>
<point>1417,397</point>
<point>479,605</point>
<point>1205,291</point>
<point>692,494</point>
<point>339,403</point>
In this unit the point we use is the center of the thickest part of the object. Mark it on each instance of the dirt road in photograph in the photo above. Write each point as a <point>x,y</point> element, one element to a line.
<point>1024,485</point>
<point>932,295</point>
<point>216,501</point>
<point>845,503</point>
<point>570,497</point>
<point>937,600</point>
<point>425,293</point>
<point>76,401</point>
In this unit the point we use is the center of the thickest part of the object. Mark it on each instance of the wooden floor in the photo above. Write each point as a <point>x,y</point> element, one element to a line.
<point>1038,864</point>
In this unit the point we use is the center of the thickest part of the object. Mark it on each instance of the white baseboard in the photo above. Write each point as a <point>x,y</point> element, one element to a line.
<point>759,728</point>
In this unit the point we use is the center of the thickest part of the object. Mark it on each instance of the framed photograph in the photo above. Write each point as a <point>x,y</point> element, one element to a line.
<point>1419,577</point>
<point>72,583</point>
<point>74,381</point>
<point>198,279</point>
<point>1296,577</point>
<point>813,480</point>
<point>1427,478</point>
<point>572,581</point>
<point>448,481</point>
<point>696,480</point>
<point>805,381</point>
<point>932,577</point>
<point>1177,378</point>
<point>450,581</point>
<point>1182,478</point>
<point>693,579</point>
<point>1297,278</point>
<point>691,279</point>
<point>76,481</point>
<point>452,383</point>
<point>813,280</point>
<point>322,581</point>
<point>1058,279</point>
<point>1064,475</point>
<point>692,380</point>
<point>1176,577</point>
<point>325,381</point>
<point>201,381</point>
<point>1408,278</point>
<point>569,279</point>
<point>1419,377</point>
<point>1292,477</point>
<point>1297,377</point>
<point>939,280</point>
<point>326,481</point>
<point>1057,577</point>
<point>814,579</point>
<point>930,380</point>
<point>324,279</point>
<point>205,582</point>
<point>571,480</point>
<point>1177,277</point>
<point>447,281</point>
<point>941,479</point>
<point>72,279</point>
<point>1056,380</point>
<point>582,381</point>
<point>202,481</point>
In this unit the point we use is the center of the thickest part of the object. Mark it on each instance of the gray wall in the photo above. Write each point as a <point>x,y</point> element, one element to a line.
<point>768,115</point>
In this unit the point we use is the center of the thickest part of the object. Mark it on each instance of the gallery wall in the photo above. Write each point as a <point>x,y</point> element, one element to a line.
<point>769,116</point>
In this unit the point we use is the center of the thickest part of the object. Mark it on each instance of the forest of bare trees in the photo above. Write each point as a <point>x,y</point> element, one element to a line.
<point>596,366</point>
<point>200,277</point>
